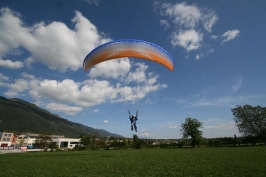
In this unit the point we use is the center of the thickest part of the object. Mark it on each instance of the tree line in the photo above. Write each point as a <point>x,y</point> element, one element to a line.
<point>250,121</point>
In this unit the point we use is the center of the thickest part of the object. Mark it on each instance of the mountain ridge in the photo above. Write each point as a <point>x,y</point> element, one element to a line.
<point>17,115</point>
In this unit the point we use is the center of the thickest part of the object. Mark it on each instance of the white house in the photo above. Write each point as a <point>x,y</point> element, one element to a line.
<point>67,142</point>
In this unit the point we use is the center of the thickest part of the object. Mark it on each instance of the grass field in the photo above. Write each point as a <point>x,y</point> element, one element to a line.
<point>218,162</point>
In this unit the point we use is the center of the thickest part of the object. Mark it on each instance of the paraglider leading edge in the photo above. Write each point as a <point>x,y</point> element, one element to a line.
<point>128,48</point>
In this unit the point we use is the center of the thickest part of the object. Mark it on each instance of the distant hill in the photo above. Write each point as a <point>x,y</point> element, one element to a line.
<point>17,115</point>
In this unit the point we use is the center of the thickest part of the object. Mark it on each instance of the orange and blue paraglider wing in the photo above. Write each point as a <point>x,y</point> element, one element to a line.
<point>128,48</point>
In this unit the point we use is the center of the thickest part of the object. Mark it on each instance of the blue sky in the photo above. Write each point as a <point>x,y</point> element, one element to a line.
<point>218,47</point>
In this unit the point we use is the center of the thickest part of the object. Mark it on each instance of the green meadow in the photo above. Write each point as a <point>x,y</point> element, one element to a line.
<point>222,161</point>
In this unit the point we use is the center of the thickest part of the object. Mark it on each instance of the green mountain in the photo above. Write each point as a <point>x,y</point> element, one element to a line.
<point>20,116</point>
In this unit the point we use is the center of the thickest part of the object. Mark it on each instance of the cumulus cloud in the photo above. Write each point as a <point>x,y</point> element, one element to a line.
<point>3,77</point>
<point>190,39</point>
<point>182,14</point>
<point>229,35</point>
<point>3,80</point>
<point>58,47</point>
<point>69,110</point>
<point>53,44</point>
<point>87,93</point>
<point>111,69</point>
<point>11,64</point>
<point>187,21</point>
<point>139,74</point>
<point>187,16</point>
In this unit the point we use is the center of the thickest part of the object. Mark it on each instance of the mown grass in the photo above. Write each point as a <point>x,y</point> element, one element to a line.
<point>241,161</point>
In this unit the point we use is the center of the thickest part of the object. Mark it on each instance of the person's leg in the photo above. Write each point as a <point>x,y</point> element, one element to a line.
<point>135,126</point>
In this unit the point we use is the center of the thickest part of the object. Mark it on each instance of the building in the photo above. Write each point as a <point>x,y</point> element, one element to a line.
<point>30,140</point>
<point>68,143</point>
<point>7,139</point>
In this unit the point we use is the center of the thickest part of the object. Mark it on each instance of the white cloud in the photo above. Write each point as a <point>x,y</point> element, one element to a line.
<point>11,64</point>
<point>87,93</point>
<point>20,85</point>
<point>146,135</point>
<point>139,75</point>
<point>144,130</point>
<point>204,103</point>
<point>226,101</point>
<point>16,52</point>
<point>187,16</point>
<point>169,124</point>
<point>165,24</point>
<point>27,76</point>
<point>190,39</point>
<point>3,77</point>
<point>221,125</point>
<point>62,48</point>
<point>95,110</point>
<point>181,101</point>
<point>111,69</point>
<point>54,44</point>
<point>236,87</point>
<point>214,36</point>
<point>3,80</point>
<point>208,18</point>
<point>201,55</point>
<point>198,56</point>
<point>95,2</point>
<point>11,93</point>
<point>69,110</point>
<point>106,121</point>
<point>11,31</point>
<point>182,14</point>
<point>188,21</point>
<point>174,126</point>
<point>229,35</point>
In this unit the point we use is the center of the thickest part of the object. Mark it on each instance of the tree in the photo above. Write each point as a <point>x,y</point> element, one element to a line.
<point>86,140</point>
<point>251,120</point>
<point>136,142</point>
<point>44,140</point>
<point>190,128</point>
<point>21,142</point>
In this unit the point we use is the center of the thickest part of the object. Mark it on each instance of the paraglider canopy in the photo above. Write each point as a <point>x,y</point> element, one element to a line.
<point>128,48</point>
